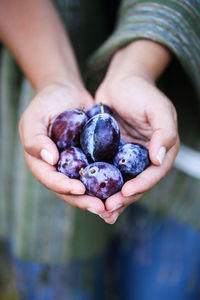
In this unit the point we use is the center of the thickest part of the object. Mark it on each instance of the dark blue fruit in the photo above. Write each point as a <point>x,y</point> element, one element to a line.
<point>67,127</point>
<point>131,160</point>
<point>71,161</point>
<point>97,109</point>
<point>100,138</point>
<point>101,180</point>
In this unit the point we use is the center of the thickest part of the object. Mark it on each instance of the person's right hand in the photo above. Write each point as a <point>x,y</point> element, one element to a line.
<point>41,154</point>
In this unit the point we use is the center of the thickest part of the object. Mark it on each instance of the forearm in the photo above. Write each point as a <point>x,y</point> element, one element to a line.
<point>34,34</point>
<point>142,58</point>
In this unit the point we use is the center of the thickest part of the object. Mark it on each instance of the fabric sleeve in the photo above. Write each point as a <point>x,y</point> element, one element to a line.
<point>173,23</point>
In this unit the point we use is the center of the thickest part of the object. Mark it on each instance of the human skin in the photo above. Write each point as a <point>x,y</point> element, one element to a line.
<point>145,115</point>
<point>34,34</point>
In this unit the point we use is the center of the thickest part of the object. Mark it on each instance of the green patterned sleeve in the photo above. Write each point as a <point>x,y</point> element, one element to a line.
<point>173,23</point>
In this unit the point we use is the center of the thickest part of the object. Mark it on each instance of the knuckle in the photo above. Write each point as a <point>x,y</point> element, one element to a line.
<point>67,191</point>
<point>173,135</point>
<point>60,184</point>
<point>28,146</point>
<point>169,136</point>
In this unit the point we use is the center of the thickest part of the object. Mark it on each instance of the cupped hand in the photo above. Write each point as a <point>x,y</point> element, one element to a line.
<point>146,116</point>
<point>41,154</point>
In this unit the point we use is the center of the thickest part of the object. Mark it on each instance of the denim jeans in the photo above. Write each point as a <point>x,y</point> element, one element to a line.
<point>148,259</point>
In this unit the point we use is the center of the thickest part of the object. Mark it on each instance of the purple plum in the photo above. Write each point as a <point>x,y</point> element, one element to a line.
<point>71,161</point>
<point>131,159</point>
<point>97,109</point>
<point>101,180</point>
<point>100,138</point>
<point>67,127</point>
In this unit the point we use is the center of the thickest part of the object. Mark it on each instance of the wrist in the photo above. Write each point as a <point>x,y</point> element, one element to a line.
<point>63,91</point>
<point>142,58</point>
<point>62,80</point>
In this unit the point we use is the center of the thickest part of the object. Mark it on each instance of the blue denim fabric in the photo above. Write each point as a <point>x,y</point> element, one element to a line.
<point>148,259</point>
<point>41,282</point>
<point>161,260</point>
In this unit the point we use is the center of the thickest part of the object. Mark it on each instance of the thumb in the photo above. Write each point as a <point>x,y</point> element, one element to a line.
<point>46,149</point>
<point>163,120</point>
<point>161,141</point>
<point>36,142</point>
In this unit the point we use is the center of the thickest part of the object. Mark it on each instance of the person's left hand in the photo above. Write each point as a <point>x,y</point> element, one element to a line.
<point>146,116</point>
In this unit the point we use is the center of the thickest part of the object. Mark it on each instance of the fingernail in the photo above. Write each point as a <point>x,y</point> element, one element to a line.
<point>77,192</point>
<point>92,210</point>
<point>46,156</point>
<point>161,154</point>
<point>116,207</point>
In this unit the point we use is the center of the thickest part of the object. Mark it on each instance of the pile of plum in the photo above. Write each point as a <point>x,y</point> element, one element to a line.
<point>91,150</point>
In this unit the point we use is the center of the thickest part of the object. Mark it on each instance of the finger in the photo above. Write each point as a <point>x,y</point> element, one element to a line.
<point>115,215</point>
<point>161,141</point>
<point>67,189</point>
<point>35,141</point>
<point>165,134</point>
<point>51,179</point>
<point>85,202</point>
<point>120,202</point>
<point>149,177</point>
